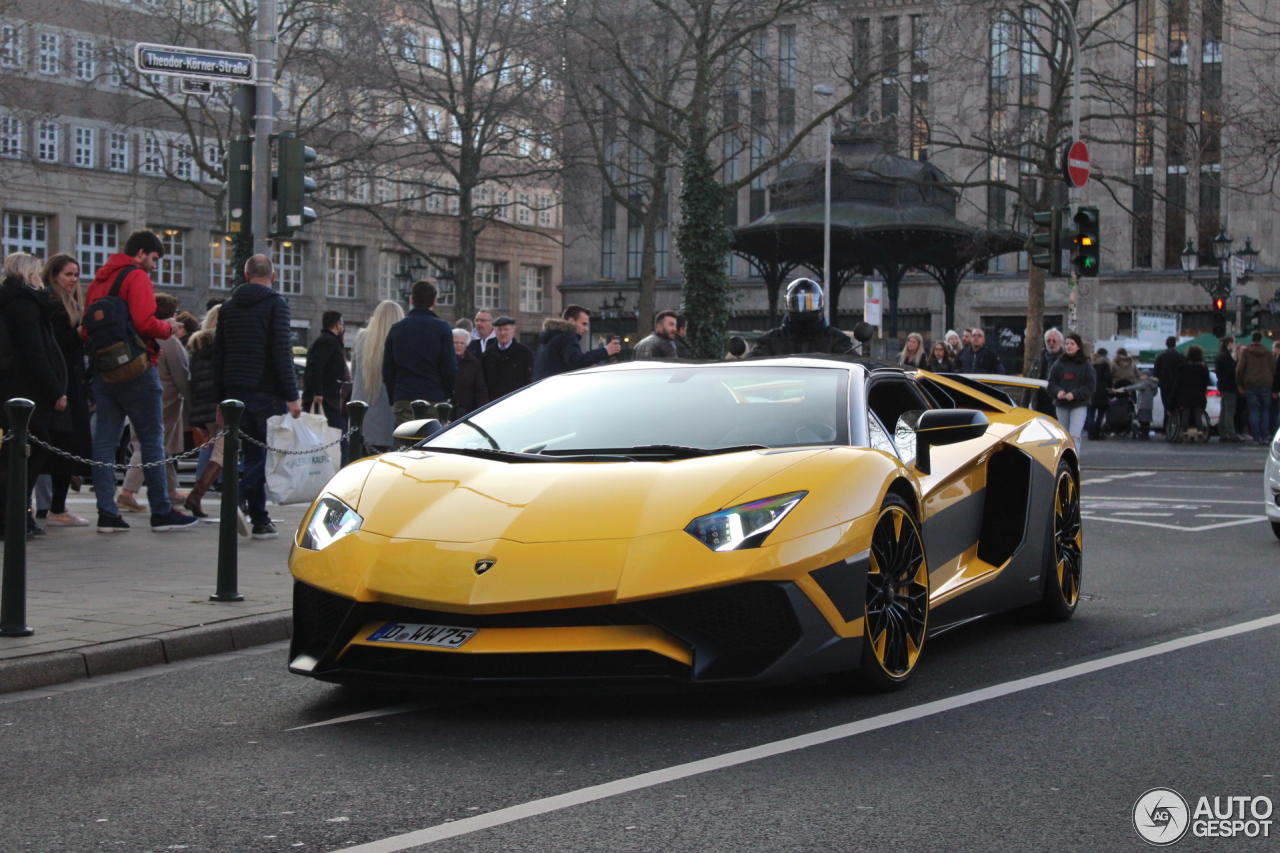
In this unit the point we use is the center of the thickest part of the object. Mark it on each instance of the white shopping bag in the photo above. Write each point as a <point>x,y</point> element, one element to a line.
<point>297,478</point>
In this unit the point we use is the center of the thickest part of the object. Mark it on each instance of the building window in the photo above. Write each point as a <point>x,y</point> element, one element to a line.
<point>503,204</point>
<point>84,147</point>
<point>50,57</point>
<point>389,266</point>
<point>523,214</point>
<point>660,252</point>
<point>287,257</point>
<point>919,87</point>
<point>10,137</point>
<point>152,156</point>
<point>340,275</point>
<point>170,269</point>
<point>786,85</point>
<point>445,293</point>
<point>10,47</point>
<point>635,245</point>
<point>488,285</point>
<point>546,211</point>
<point>94,242</point>
<point>608,237</point>
<point>889,79</point>
<point>47,141</point>
<point>533,281</point>
<point>86,67</point>
<point>26,232</point>
<point>184,164</point>
<point>119,152</point>
<point>221,276</point>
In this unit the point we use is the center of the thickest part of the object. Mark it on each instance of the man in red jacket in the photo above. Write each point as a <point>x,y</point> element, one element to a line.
<point>139,399</point>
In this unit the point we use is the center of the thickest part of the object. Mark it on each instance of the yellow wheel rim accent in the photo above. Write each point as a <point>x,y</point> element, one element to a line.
<point>897,597</point>
<point>1068,537</point>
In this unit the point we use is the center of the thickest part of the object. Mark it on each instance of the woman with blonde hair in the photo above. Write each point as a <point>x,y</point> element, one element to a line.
<point>913,354</point>
<point>366,375</point>
<point>204,407</point>
<point>33,368</point>
<point>61,278</point>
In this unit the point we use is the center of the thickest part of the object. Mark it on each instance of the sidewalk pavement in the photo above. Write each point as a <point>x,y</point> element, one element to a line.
<point>93,598</point>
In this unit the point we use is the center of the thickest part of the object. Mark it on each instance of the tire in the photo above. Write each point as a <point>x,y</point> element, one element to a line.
<point>896,608</point>
<point>1275,528</point>
<point>1065,551</point>
<point>1202,424</point>
<point>1172,427</point>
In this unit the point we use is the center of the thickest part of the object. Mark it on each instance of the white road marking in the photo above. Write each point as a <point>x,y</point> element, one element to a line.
<point>403,708</point>
<point>546,805</point>
<point>1200,529</point>
<point>1110,477</point>
<point>1152,514</point>
<point>1197,501</point>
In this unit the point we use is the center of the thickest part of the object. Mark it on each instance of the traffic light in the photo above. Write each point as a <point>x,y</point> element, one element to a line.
<point>1254,312</point>
<point>239,185</point>
<point>1219,318</point>
<point>1088,248</point>
<point>1049,240</point>
<point>291,186</point>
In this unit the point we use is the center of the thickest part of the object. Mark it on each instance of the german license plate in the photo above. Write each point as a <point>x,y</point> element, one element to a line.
<point>444,636</point>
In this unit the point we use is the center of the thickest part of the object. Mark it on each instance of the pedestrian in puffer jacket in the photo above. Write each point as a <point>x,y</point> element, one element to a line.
<point>560,347</point>
<point>1071,385</point>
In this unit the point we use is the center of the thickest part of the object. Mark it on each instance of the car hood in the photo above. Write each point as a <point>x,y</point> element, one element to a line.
<point>453,498</point>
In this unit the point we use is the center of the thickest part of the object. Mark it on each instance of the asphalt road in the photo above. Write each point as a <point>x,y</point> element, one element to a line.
<point>208,757</point>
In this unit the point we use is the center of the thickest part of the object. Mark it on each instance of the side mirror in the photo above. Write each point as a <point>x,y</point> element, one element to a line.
<point>937,427</point>
<point>410,433</point>
<point>737,346</point>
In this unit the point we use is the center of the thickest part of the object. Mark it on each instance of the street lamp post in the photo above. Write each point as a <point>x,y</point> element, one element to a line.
<point>826,92</point>
<point>1234,269</point>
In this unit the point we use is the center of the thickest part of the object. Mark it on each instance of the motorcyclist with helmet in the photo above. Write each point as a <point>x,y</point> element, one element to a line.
<point>804,329</point>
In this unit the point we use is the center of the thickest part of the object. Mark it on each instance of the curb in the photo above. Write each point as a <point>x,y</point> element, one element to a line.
<point>50,668</point>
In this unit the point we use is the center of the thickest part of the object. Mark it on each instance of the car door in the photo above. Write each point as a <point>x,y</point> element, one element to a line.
<point>952,494</point>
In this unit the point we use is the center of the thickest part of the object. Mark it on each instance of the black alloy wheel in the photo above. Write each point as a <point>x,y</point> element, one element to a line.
<point>1064,559</point>
<point>897,597</point>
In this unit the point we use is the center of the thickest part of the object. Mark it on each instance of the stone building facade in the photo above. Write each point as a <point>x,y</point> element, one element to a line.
<point>947,69</point>
<point>79,174</point>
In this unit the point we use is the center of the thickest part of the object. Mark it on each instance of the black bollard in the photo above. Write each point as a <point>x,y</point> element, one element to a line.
<point>421,410</point>
<point>228,556</point>
<point>443,411</point>
<point>356,410</point>
<point>13,590</point>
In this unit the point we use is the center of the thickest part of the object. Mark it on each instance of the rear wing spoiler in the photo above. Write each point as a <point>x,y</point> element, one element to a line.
<point>1012,391</point>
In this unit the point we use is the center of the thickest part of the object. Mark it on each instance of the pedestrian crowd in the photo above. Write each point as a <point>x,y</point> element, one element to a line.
<point>117,354</point>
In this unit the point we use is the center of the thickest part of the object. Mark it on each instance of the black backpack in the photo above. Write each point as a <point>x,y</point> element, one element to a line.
<point>116,350</point>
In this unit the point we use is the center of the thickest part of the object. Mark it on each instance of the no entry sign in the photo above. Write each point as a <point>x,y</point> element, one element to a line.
<point>1075,164</point>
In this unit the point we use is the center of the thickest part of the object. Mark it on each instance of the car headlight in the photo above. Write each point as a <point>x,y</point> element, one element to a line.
<point>744,526</point>
<point>1275,447</point>
<point>331,521</point>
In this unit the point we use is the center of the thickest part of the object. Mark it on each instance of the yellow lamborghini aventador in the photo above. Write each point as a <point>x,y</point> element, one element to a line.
<point>690,523</point>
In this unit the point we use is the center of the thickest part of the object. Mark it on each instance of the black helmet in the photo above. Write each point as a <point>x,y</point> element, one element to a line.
<point>804,302</point>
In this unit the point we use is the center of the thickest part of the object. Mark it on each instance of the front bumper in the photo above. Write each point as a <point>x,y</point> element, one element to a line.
<point>1271,488</point>
<point>746,632</point>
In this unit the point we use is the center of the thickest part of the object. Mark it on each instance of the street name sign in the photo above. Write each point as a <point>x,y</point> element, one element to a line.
<point>1075,164</point>
<point>193,62</point>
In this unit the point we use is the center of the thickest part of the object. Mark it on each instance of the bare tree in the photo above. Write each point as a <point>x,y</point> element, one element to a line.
<point>1009,99</point>
<point>467,122</point>
<point>652,82</point>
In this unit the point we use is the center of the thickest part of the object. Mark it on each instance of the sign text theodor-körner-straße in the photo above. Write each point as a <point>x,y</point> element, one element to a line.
<point>192,62</point>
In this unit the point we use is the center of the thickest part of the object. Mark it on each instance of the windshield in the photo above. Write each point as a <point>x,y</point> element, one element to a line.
<point>685,406</point>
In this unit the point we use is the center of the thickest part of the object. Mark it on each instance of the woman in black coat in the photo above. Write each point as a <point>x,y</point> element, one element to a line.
<point>1190,394</point>
<point>62,284</point>
<point>204,407</point>
<point>31,366</point>
<point>940,359</point>
<point>469,389</point>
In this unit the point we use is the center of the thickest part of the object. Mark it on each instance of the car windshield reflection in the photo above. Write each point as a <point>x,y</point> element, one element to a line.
<point>681,411</point>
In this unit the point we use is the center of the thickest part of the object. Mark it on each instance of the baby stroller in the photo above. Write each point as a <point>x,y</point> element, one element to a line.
<point>1121,417</point>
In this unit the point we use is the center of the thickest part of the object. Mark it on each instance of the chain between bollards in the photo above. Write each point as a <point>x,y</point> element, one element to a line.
<point>228,555</point>
<point>13,588</point>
